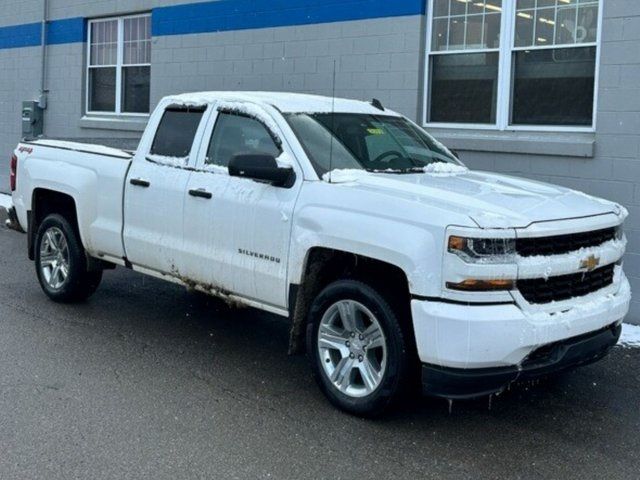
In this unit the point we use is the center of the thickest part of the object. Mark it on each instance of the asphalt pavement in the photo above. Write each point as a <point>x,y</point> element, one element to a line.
<point>147,380</point>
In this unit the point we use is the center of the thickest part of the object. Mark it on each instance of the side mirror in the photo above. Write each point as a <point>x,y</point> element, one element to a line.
<point>262,168</point>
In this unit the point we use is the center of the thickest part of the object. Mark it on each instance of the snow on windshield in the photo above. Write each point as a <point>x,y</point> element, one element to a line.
<point>376,143</point>
<point>348,175</point>
<point>441,168</point>
<point>344,175</point>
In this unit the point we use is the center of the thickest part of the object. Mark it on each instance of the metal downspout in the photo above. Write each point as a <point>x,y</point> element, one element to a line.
<point>42,101</point>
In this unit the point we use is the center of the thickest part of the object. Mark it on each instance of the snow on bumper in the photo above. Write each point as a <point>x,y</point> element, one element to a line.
<point>481,336</point>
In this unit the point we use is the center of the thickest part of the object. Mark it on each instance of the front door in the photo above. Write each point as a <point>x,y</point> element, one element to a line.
<point>237,231</point>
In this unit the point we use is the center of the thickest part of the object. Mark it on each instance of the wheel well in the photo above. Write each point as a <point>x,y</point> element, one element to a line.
<point>44,203</point>
<point>324,266</point>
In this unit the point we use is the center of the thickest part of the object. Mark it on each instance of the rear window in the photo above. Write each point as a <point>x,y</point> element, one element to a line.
<point>176,132</point>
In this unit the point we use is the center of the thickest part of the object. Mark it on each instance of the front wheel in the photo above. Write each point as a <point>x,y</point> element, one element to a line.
<point>356,348</point>
<point>61,264</point>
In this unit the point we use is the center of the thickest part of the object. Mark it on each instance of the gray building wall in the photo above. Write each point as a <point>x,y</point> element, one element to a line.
<point>381,58</point>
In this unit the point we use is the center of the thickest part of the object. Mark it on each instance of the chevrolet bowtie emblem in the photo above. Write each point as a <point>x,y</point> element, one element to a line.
<point>590,263</point>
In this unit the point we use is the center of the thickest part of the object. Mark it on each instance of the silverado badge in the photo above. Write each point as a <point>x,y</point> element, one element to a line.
<point>590,263</point>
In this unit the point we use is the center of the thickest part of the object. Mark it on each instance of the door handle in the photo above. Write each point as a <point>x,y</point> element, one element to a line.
<point>138,182</point>
<point>201,193</point>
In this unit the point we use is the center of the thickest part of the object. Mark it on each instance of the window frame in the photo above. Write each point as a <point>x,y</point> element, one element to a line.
<point>119,66</point>
<point>219,111</point>
<point>506,75</point>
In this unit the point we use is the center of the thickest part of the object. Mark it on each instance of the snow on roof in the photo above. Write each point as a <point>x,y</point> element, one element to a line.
<point>283,101</point>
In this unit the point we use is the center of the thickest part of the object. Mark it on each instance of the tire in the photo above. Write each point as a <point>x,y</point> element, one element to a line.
<point>377,365</point>
<point>58,249</point>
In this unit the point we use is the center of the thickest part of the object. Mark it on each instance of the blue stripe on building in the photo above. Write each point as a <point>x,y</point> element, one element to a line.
<point>69,30</point>
<point>17,36</point>
<point>226,15</point>
<point>221,16</point>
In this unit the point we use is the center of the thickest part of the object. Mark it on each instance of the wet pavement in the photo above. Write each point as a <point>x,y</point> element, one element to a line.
<point>146,380</point>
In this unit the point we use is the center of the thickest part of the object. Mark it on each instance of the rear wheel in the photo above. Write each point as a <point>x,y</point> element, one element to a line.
<point>61,264</point>
<point>357,348</point>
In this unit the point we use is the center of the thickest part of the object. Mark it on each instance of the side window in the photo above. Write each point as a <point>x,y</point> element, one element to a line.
<point>176,132</point>
<point>235,135</point>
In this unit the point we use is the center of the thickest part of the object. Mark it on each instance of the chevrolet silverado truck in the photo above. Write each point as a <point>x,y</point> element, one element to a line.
<point>395,264</point>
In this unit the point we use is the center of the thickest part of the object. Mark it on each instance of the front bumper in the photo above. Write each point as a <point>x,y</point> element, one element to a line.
<point>475,350</point>
<point>456,383</point>
<point>474,336</point>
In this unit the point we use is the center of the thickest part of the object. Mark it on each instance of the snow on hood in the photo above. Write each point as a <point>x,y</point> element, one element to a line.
<point>490,200</point>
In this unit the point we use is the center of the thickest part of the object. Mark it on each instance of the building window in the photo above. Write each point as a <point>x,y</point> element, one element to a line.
<point>119,65</point>
<point>523,64</point>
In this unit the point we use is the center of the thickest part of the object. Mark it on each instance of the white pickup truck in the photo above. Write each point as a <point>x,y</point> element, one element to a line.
<point>393,261</point>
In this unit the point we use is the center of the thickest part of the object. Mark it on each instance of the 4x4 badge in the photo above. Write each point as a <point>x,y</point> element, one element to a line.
<point>590,263</point>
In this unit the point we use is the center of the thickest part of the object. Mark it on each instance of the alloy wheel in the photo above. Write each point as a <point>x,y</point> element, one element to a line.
<point>54,258</point>
<point>352,348</point>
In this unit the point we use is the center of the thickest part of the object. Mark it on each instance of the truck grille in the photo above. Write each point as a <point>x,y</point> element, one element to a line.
<point>557,289</point>
<point>559,244</point>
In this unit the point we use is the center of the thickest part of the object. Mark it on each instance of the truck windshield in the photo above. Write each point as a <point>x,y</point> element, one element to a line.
<point>366,142</point>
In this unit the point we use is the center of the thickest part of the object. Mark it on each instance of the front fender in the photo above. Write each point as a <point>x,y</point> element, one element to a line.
<point>412,248</point>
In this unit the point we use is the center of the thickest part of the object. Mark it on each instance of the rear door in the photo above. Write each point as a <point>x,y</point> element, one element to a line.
<point>237,233</point>
<point>155,191</point>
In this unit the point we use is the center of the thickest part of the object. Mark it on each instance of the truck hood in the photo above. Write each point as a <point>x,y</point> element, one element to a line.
<point>490,200</point>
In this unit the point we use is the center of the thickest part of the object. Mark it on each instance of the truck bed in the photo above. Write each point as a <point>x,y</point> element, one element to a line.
<point>93,175</point>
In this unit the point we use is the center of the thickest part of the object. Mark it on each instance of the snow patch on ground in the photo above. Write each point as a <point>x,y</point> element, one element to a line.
<point>5,201</point>
<point>630,337</point>
<point>445,169</point>
<point>83,147</point>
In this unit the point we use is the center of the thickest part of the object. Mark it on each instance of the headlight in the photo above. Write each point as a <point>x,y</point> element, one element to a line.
<point>483,250</point>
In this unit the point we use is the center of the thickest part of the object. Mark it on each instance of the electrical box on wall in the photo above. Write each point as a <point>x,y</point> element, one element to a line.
<point>32,119</point>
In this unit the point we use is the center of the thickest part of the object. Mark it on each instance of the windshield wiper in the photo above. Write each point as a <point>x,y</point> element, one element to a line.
<point>397,171</point>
